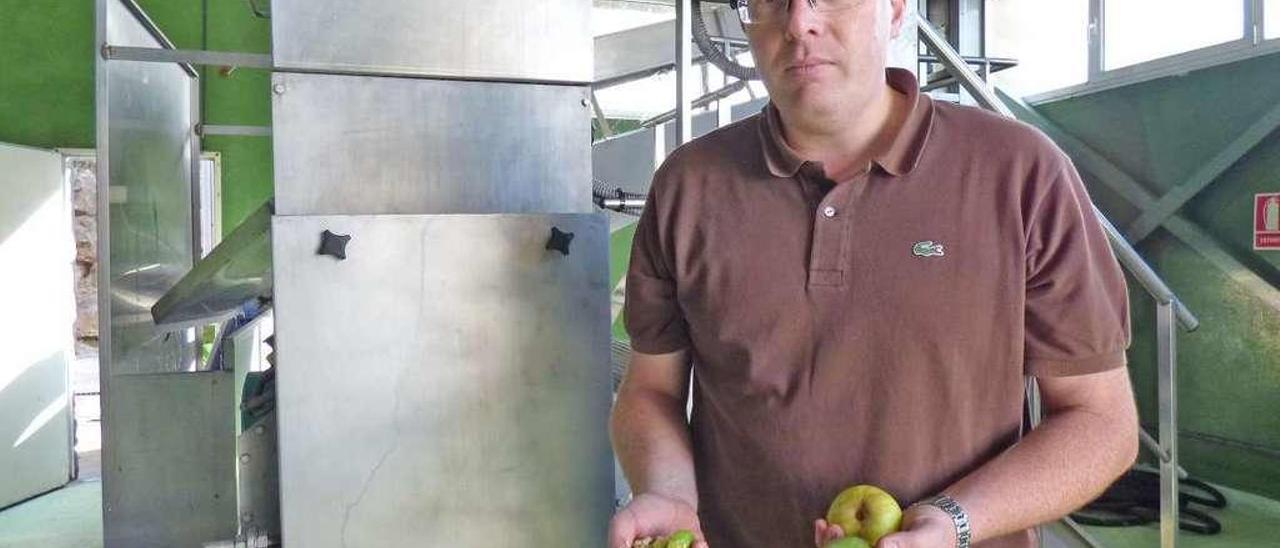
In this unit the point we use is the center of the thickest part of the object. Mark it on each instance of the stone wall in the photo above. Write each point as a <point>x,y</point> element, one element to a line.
<point>84,202</point>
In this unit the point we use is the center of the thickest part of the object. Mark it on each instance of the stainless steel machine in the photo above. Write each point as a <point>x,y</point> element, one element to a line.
<point>439,276</point>
<point>436,272</point>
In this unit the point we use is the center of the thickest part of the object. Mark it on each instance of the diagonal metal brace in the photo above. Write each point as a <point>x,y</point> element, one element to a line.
<point>1170,203</point>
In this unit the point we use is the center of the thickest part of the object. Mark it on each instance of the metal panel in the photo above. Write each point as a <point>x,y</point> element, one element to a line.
<point>259,495</point>
<point>167,476</point>
<point>146,184</point>
<point>174,482</point>
<point>1167,381</point>
<point>365,145</point>
<point>36,286</point>
<point>447,384</point>
<point>245,351</point>
<point>547,40</point>
<point>238,270</point>
<point>637,52</point>
<point>197,57</point>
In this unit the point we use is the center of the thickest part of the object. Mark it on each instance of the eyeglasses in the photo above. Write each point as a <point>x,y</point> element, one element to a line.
<point>758,12</point>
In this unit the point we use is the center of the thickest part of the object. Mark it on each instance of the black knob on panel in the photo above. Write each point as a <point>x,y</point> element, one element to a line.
<point>333,245</point>
<point>560,240</point>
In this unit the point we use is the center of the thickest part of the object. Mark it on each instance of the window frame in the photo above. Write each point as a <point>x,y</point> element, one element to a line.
<point>1252,43</point>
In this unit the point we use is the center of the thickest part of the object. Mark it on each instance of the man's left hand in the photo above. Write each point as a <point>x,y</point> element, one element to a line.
<point>922,527</point>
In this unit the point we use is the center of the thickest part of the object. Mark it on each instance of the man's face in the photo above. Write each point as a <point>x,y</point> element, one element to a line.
<point>815,58</point>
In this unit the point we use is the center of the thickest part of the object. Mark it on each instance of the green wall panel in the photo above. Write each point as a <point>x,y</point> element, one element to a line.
<point>179,20</point>
<point>241,96</point>
<point>619,259</point>
<point>1160,132</point>
<point>46,73</point>
<point>231,96</point>
<point>1228,375</point>
<point>246,176</point>
<point>1226,210</point>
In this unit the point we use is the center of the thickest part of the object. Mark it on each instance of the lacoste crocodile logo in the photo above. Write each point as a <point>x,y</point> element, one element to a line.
<point>927,249</point>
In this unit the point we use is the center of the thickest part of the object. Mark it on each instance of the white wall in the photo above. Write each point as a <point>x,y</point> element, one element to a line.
<point>37,314</point>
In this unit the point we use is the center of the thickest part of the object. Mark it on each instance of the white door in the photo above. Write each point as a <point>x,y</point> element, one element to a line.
<point>37,315</point>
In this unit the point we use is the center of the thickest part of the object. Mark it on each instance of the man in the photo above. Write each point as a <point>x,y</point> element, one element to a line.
<point>859,279</point>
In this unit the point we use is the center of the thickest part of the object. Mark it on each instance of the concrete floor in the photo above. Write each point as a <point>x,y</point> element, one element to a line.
<point>71,517</point>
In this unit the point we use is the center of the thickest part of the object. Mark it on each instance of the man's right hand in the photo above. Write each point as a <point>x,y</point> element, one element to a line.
<point>653,515</point>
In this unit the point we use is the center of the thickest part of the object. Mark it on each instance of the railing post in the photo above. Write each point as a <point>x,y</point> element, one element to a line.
<point>684,69</point>
<point>1167,371</point>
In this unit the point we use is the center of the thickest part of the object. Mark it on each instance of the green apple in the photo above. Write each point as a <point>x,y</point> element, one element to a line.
<point>681,539</point>
<point>848,542</point>
<point>865,511</point>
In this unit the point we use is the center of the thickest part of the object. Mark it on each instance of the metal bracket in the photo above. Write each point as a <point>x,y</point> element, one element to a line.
<point>187,56</point>
<point>243,131</point>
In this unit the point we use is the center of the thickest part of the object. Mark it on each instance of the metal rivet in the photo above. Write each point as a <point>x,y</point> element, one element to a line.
<point>585,102</point>
<point>278,89</point>
<point>244,459</point>
<point>260,430</point>
<point>829,212</point>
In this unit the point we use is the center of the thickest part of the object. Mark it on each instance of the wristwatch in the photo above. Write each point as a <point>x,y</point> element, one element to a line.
<point>958,517</point>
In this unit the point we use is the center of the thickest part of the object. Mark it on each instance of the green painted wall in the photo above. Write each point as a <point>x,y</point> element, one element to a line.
<point>1229,370</point>
<point>619,259</point>
<point>46,73</point>
<point>47,82</point>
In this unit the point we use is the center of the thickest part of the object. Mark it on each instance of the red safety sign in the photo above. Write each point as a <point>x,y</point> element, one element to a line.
<point>1266,221</point>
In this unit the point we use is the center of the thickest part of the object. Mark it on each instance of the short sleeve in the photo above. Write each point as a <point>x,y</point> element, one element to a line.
<point>652,312</point>
<point>1077,304</point>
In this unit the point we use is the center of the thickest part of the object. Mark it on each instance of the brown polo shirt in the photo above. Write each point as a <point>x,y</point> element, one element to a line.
<point>874,330</point>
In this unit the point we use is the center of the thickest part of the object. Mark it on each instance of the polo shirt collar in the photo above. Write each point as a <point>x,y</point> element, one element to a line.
<point>898,159</point>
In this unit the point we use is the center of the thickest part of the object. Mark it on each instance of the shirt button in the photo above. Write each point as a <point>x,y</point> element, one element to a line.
<point>829,212</point>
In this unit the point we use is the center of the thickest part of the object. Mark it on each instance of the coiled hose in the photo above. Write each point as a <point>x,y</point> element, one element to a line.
<point>713,53</point>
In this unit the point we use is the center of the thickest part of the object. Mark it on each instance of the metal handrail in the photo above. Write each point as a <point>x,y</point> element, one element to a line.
<point>700,102</point>
<point>1125,252</point>
<point>1145,275</point>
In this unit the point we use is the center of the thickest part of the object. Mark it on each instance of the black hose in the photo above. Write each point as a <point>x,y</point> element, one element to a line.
<point>713,53</point>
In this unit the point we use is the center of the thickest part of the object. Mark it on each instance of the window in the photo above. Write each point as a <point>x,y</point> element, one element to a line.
<point>1142,30</point>
<point>1271,19</point>
<point>1049,40</point>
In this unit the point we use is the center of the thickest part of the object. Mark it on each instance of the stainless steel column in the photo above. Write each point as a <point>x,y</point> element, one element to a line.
<point>684,69</point>
<point>443,379</point>
<point>1167,368</point>
<point>168,474</point>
